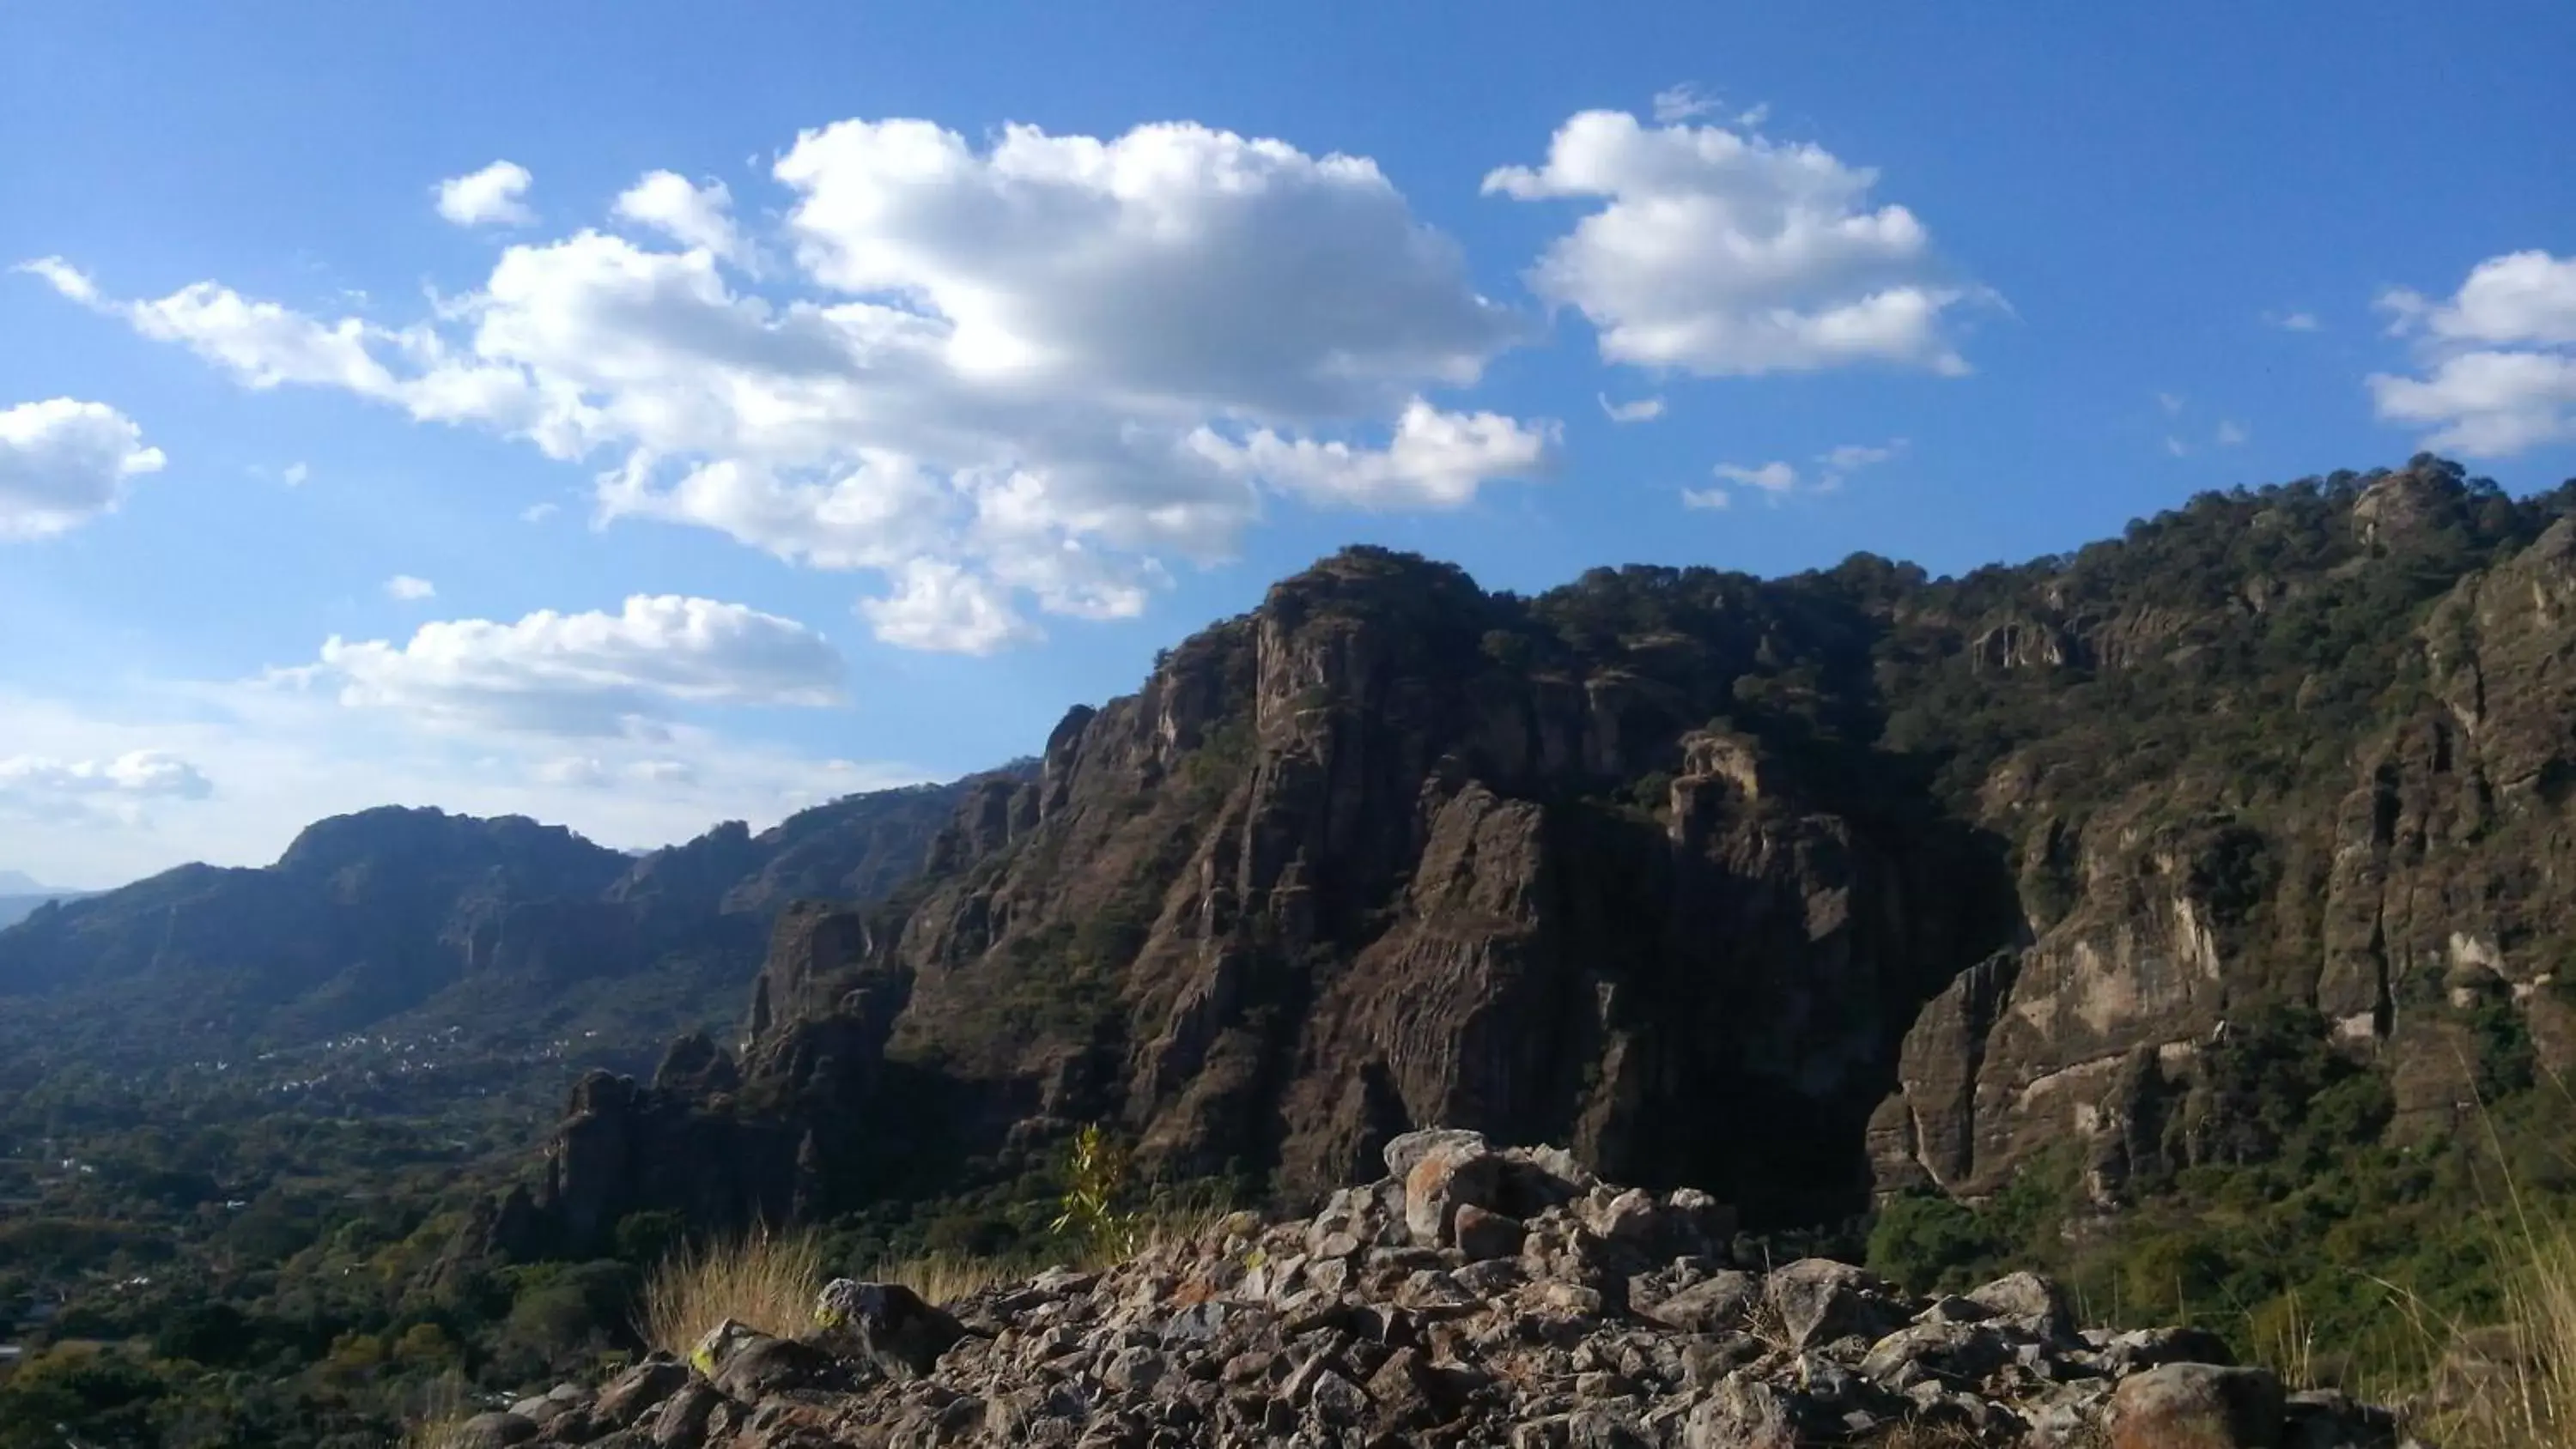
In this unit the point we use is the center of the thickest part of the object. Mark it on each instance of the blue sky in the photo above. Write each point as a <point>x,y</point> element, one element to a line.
<point>636,415</point>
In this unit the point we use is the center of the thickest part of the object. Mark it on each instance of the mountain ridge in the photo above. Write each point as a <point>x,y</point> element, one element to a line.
<point>1918,877</point>
<point>368,916</point>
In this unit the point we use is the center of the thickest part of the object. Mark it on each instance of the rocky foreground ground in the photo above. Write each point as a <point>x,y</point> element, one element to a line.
<point>1472,1297</point>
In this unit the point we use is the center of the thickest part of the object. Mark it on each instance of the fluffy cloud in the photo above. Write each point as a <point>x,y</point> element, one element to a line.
<point>2293,321</point>
<point>96,791</point>
<point>489,197</point>
<point>1176,267</point>
<point>408,589</point>
<point>941,606</point>
<point>589,673</point>
<point>1724,253</point>
<point>1041,367</point>
<point>692,215</point>
<point>1437,459</point>
<point>63,463</point>
<point>2498,358</point>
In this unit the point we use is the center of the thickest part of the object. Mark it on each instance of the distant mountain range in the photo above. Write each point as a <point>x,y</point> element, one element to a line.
<point>495,926</point>
<point>21,894</point>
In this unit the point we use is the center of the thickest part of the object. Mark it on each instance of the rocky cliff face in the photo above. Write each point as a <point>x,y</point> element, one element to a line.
<point>2391,858</point>
<point>1791,890</point>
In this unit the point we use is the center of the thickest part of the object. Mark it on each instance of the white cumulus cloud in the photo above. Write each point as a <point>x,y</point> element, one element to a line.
<point>1044,364</point>
<point>54,791</point>
<point>1722,252</point>
<point>492,196</point>
<point>2497,372</point>
<point>1436,460</point>
<point>588,673</point>
<point>64,462</point>
<point>690,214</point>
<point>938,605</point>
<point>407,588</point>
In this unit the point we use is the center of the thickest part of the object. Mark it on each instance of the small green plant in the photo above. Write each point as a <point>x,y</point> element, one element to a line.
<point>1095,1183</point>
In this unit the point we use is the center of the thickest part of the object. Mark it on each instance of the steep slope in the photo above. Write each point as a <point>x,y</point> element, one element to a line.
<point>1786,889</point>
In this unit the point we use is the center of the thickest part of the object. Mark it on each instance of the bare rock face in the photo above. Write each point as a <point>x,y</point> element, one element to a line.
<point>1352,864</point>
<point>2391,883</point>
<point>1794,891</point>
<point>1346,1329</point>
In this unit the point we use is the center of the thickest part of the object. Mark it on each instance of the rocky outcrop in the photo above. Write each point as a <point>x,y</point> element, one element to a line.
<point>1792,890</point>
<point>1385,853</point>
<point>1618,1317</point>
<point>2400,863</point>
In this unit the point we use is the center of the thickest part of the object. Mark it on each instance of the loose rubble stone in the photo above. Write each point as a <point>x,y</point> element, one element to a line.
<point>1475,1297</point>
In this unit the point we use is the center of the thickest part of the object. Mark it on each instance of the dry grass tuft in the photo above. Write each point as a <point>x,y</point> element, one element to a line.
<point>766,1280</point>
<point>2512,1385</point>
<point>944,1278</point>
<point>440,1424</point>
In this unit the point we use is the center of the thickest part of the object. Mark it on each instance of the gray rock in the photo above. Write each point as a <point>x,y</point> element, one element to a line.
<point>1742,1412</point>
<point>540,1410</point>
<point>1408,1150</point>
<point>681,1422</point>
<point>640,1388</point>
<point>1722,1301</point>
<point>1953,1353</point>
<point>1447,1177</point>
<point>1820,1300</point>
<point>772,1365</point>
<point>891,1325</point>
<point>2027,1299</point>
<point>2147,1348</point>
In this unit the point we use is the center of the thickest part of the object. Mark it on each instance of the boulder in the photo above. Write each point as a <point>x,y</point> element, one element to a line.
<point>889,1324</point>
<point>2197,1406</point>
<point>1449,1175</point>
<point>1820,1300</point>
<point>640,1388</point>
